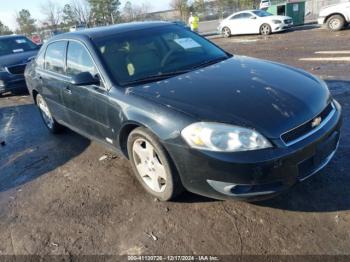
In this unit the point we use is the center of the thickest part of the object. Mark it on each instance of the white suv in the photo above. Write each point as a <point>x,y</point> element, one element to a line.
<point>336,17</point>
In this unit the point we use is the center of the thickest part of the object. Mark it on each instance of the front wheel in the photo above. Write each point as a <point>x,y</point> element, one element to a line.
<point>335,23</point>
<point>265,29</point>
<point>226,32</point>
<point>46,115</point>
<point>152,165</point>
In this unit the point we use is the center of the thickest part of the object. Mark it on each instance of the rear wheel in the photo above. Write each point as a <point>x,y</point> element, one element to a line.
<point>152,165</point>
<point>265,29</point>
<point>335,23</point>
<point>226,32</point>
<point>46,115</point>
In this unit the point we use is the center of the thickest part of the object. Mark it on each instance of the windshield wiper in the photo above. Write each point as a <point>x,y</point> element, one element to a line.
<point>157,77</point>
<point>209,62</point>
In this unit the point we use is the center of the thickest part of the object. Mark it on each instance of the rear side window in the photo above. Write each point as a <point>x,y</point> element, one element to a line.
<point>54,57</point>
<point>79,60</point>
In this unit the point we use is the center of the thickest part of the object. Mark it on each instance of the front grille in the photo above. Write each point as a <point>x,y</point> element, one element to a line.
<point>17,69</point>
<point>297,133</point>
<point>288,21</point>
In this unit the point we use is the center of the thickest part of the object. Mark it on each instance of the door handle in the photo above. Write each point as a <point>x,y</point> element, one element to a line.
<point>67,90</point>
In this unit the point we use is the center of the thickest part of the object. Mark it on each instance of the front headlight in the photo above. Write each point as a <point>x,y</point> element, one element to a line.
<point>223,138</point>
<point>276,21</point>
<point>2,69</point>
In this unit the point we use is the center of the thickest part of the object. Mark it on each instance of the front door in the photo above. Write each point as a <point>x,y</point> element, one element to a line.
<point>87,105</point>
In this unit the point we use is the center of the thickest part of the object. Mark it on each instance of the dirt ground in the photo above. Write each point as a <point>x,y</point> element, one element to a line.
<point>56,197</point>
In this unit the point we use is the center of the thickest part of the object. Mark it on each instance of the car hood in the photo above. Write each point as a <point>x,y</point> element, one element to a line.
<point>17,58</point>
<point>269,97</point>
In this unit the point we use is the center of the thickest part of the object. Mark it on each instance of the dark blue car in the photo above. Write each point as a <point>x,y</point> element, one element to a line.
<point>15,53</point>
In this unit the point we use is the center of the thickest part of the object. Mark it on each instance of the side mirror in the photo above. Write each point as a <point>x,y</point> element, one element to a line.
<point>84,78</point>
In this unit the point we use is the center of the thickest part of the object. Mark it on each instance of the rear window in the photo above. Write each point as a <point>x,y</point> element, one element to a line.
<point>13,45</point>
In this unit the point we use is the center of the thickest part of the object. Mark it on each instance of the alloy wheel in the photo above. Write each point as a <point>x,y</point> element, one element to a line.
<point>334,24</point>
<point>149,166</point>
<point>226,32</point>
<point>45,112</point>
<point>265,29</point>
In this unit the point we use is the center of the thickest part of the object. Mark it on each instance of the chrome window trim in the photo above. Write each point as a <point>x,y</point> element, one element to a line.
<point>323,123</point>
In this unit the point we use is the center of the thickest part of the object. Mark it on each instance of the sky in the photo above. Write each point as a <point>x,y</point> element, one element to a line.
<point>8,8</point>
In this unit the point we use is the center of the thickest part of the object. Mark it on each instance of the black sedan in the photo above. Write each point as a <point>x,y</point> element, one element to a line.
<point>186,113</point>
<point>15,53</point>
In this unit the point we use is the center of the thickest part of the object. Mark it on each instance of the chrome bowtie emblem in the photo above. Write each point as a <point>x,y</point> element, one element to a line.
<point>316,122</point>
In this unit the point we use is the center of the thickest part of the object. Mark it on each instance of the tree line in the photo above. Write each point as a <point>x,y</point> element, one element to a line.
<point>107,12</point>
<point>76,12</point>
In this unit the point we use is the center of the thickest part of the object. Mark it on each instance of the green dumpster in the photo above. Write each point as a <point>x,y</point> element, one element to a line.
<point>294,9</point>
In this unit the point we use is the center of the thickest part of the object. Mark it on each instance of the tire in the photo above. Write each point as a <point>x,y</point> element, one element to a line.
<point>46,115</point>
<point>153,166</point>
<point>265,29</point>
<point>335,23</point>
<point>226,32</point>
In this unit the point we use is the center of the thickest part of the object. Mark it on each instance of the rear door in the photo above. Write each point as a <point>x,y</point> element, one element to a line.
<point>51,78</point>
<point>87,104</point>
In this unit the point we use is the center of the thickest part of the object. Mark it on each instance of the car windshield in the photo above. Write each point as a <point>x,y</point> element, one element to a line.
<point>13,45</point>
<point>152,54</point>
<point>261,13</point>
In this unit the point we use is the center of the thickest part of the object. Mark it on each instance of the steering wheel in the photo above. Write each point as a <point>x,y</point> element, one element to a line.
<point>166,59</point>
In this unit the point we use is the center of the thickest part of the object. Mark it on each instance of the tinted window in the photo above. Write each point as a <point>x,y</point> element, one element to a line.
<point>156,51</point>
<point>241,16</point>
<point>13,45</point>
<point>246,15</point>
<point>261,13</point>
<point>79,60</point>
<point>236,17</point>
<point>54,57</point>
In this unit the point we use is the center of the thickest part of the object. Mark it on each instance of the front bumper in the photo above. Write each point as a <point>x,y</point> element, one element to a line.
<point>256,175</point>
<point>281,27</point>
<point>9,82</point>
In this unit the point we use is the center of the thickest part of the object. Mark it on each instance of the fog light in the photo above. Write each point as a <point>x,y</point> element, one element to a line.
<point>2,83</point>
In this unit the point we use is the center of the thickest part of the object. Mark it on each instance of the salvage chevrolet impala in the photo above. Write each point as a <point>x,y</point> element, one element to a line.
<point>187,114</point>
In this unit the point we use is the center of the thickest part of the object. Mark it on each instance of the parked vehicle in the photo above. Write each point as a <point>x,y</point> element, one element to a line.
<point>254,22</point>
<point>186,113</point>
<point>36,39</point>
<point>335,17</point>
<point>16,51</point>
<point>77,28</point>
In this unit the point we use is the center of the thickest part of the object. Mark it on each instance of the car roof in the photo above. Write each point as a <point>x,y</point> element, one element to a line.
<point>103,31</point>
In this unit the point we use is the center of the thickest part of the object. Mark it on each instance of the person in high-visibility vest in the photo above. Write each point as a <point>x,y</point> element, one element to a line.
<point>193,21</point>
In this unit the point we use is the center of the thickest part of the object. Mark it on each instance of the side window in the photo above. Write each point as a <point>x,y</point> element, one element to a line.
<point>54,57</point>
<point>40,59</point>
<point>246,15</point>
<point>239,16</point>
<point>79,60</point>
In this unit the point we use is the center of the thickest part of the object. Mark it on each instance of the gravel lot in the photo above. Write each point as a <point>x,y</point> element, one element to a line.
<point>56,197</point>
